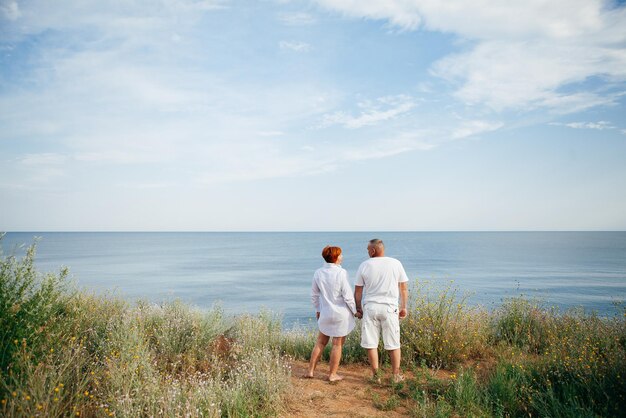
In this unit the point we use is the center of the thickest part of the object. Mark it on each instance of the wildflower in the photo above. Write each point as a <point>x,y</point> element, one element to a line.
<point>86,393</point>
<point>14,394</point>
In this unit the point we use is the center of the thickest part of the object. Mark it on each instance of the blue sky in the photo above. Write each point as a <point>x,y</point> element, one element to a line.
<point>312,115</point>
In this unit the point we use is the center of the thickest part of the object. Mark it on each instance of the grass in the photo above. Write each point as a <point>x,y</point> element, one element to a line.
<point>521,359</point>
<point>68,353</point>
<point>72,354</point>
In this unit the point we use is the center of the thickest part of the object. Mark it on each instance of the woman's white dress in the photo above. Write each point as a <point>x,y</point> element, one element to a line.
<point>333,299</point>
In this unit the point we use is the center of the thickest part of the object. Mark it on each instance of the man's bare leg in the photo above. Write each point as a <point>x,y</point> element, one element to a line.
<point>395,356</point>
<point>372,355</point>
<point>335,358</point>
<point>322,340</point>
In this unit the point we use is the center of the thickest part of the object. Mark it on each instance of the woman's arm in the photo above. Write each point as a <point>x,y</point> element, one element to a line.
<point>315,295</point>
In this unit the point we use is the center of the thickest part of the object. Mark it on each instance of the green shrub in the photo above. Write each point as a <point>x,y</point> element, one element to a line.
<point>32,307</point>
<point>442,329</point>
<point>521,323</point>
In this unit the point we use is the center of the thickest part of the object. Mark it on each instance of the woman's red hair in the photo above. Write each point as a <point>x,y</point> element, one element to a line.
<point>331,254</point>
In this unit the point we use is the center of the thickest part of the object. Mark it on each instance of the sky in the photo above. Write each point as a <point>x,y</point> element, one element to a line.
<point>318,115</point>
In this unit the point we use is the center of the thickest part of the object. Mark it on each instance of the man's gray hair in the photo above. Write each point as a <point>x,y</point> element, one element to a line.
<point>378,243</point>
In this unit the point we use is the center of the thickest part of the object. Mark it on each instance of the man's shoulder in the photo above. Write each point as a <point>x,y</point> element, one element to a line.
<point>396,261</point>
<point>390,260</point>
<point>365,263</point>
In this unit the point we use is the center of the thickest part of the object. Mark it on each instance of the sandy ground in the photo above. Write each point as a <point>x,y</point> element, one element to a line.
<point>351,397</point>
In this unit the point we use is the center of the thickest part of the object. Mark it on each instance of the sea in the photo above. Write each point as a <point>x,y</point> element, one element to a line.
<point>247,272</point>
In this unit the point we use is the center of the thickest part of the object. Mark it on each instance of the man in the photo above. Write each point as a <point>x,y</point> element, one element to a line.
<point>384,280</point>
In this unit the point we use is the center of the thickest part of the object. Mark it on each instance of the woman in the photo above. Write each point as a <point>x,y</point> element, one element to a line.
<point>333,300</point>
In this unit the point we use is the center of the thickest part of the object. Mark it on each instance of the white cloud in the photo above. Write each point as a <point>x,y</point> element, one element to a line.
<point>482,19</point>
<point>520,55</point>
<point>389,146</point>
<point>372,113</point>
<point>297,19</point>
<point>10,9</point>
<point>294,46</point>
<point>474,127</point>
<point>527,74</point>
<point>601,125</point>
<point>133,22</point>
<point>400,13</point>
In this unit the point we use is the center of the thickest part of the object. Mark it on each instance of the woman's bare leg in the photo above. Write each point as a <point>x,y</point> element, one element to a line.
<point>335,358</point>
<point>322,340</point>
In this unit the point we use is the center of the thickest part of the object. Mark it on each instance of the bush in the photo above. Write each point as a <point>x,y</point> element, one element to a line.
<point>32,307</point>
<point>521,323</point>
<point>442,329</point>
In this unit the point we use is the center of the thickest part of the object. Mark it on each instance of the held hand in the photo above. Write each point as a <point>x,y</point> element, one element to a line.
<point>317,315</point>
<point>359,313</point>
<point>402,314</point>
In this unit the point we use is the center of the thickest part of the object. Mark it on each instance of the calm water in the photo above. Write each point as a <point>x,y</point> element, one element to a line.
<point>248,271</point>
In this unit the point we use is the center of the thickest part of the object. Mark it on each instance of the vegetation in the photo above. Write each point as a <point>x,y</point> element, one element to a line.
<point>520,360</point>
<point>73,354</point>
<point>67,353</point>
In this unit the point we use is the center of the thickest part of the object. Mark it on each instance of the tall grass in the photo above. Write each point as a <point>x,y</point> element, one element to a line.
<point>72,354</point>
<point>521,359</point>
<point>442,329</point>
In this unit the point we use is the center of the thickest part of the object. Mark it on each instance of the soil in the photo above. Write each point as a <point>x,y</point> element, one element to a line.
<point>351,397</point>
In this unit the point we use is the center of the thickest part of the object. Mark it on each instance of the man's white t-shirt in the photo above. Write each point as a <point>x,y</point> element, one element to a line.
<point>379,277</point>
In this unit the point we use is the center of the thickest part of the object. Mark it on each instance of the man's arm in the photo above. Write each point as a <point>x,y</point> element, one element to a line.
<point>358,294</point>
<point>404,298</point>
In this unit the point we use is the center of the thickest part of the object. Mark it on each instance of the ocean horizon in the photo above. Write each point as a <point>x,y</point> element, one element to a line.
<point>245,272</point>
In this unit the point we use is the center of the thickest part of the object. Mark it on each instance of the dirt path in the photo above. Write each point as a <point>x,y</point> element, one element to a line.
<point>352,397</point>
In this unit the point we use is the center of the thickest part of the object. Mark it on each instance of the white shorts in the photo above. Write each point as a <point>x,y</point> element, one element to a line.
<point>377,317</point>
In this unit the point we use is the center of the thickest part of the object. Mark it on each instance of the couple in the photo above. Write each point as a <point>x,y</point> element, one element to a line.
<point>384,281</point>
